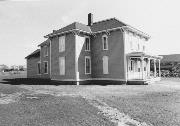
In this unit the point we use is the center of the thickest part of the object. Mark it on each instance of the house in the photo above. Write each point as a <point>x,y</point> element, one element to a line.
<point>103,51</point>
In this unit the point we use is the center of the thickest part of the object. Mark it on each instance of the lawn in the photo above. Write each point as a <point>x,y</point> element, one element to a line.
<point>156,104</point>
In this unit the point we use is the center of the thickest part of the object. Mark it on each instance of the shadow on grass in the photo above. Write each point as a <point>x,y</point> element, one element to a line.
<point>34,81</point>
<point>37,81</point>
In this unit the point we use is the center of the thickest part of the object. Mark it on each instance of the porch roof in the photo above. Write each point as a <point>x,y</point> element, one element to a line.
<point>143,54</point>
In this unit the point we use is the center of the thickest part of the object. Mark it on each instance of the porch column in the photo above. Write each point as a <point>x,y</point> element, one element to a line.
<point>142,67</point>
<point>154,68</point>
<point>159,68</point>
<point>148,67</point>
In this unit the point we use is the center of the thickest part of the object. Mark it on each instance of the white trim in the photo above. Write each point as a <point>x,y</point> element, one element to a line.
<point>87,37</point>
<point>50,58</point>
<point>113,79</point>
<point>88,57</point>
<point>112,29</point>
<point>125,58</point>
<point>106,41</point>
<point>67,32</point>
<point>44,66</point>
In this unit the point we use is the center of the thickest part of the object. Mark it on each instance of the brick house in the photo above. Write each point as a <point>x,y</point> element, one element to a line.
<point>104,51</point>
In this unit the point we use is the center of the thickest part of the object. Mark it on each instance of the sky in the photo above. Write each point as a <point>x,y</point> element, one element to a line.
<point>23,23</point>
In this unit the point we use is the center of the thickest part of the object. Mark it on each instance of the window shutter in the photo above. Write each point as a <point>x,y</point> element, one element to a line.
<point>62,65</point>
<point>105,65</point>
<point>61,43</point>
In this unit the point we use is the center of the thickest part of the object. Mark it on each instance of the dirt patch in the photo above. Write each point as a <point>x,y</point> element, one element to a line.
<point>9,98</point>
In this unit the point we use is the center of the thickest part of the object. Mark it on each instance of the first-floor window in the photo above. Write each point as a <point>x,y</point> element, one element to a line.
<point>45,67</point>
<point>105,65</point>
<point>62,65</point>
<point>131,66</point>
<point>87,65</point>
<point>139,66</point>
<point>39,67</point>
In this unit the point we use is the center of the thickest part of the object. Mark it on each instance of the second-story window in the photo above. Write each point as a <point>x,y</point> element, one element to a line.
<point>138,47</point>
<point>105,42</point>
<point>87,44</point>
<point>143,47</point>
<point>45,51</point>
<point>61,43</point>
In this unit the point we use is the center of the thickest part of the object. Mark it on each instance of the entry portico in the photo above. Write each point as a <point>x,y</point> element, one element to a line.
<point>142,67</point>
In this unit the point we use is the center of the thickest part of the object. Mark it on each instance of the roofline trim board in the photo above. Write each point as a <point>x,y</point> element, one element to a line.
<point>112,29</point>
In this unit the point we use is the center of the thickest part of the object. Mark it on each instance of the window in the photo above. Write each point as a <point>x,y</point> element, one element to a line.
<point>105,65</point>
<point>62,44</point>
<point>139,66</point>
<point>143,47</point>
<point>45,67</point>
<point>131,66</point>
<point>105,42</point>
<point>87,44</point>
<point>138,46</point>
<point>62,65</point>
<point>131,45</point>
<point>39,68</point>
<point>45,50</point>
<point>87,65</point>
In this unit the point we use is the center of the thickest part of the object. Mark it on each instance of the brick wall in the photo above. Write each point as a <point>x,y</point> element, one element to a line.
<point>32,69</point>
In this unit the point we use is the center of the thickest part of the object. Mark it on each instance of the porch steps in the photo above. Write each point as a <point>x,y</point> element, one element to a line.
<point>139,82</point>
<point>143,82</point>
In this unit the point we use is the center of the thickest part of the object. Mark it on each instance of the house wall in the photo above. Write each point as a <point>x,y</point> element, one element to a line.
<point>45,58</point>
<point>80,56</point>
<point>132,41</point>
<point>69,55</point>
<point>115,53</point>
<point>32,69</point>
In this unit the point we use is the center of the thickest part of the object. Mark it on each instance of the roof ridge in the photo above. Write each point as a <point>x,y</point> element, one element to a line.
<point>104,20</point>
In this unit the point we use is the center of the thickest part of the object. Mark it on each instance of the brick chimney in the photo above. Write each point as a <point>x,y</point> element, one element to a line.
<point>90,19</point>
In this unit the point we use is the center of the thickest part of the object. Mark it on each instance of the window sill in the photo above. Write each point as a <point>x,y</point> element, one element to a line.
<point>105,49</point>
<point>87,73</point>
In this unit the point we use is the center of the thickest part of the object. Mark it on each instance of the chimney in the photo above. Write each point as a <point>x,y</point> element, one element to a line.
<point>90,19</point>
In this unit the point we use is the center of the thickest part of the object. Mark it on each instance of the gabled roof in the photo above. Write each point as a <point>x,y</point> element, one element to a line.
<point>36,53</point>
<point>107,24</point>
<point>100,26</point>
<point>73,26</point>
<point>45,43</point>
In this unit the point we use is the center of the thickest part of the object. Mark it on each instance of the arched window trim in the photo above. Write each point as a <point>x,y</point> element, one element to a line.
<point>89,44</point>
<point>104,41</point>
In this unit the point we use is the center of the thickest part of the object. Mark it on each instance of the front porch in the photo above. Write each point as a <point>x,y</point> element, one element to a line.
<point>142,68</point>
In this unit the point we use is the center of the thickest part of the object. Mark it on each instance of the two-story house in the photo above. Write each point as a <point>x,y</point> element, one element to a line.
<point>107,51</point>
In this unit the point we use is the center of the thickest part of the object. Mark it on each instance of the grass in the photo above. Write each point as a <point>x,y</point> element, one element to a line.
<point>66,105</point>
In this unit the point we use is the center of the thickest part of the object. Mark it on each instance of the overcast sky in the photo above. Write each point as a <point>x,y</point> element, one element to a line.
<point>23,23</point>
